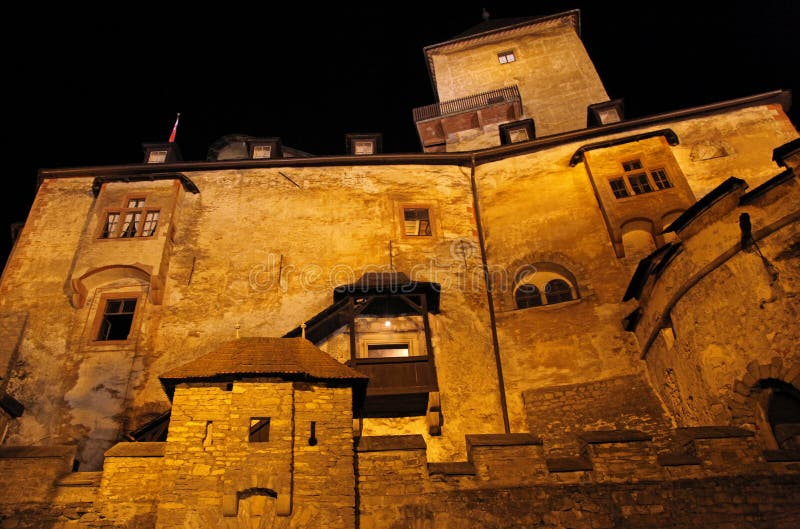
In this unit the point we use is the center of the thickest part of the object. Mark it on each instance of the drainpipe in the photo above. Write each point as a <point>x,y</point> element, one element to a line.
<point>487,278</point>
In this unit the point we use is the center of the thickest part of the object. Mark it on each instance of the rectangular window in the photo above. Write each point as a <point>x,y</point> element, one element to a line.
<point>262,151</point>
<point>364,147</point>
<point>639,183</point>
<point>157,157</point>
<point>660,179</point>
<point>520,134</point>
<point>131,224</point>
<point>387,350</point>
<point>259,430</point>
<point>618,187</point>
<point>506,57</point>
<point>150,223</point>
<point>117,319</point>
<point>632,165</point>
<point>131,221</point>
<point>110,227</point>
<point>417,221</point>
<point>610,115</point>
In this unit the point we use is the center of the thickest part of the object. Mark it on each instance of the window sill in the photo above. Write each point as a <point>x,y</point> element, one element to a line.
<point>552,306</point>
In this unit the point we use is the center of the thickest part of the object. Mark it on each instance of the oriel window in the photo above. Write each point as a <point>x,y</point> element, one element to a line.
<point>134,220</point>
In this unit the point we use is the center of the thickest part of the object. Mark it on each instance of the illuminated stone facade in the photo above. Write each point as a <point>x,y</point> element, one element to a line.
<point>585,330</point>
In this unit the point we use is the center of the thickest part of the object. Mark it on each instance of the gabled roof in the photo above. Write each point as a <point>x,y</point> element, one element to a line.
<point>288,358</point>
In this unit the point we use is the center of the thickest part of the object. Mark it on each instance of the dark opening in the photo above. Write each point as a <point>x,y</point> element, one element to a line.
<point>557,291</point>
<point>259,430</point>
<point>783,414</point>
<point>117,319</point>
<point>527,296</point>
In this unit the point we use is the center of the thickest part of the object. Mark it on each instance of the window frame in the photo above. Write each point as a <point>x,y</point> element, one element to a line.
<point>432,220</point>
<point>505,55</point>
<point>649,183</point>
<point>100,313</point>
<point>121,213</point>
<point>265,423</point>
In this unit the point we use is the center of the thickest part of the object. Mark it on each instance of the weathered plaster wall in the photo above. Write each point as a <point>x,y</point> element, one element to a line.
<point>536,209</point>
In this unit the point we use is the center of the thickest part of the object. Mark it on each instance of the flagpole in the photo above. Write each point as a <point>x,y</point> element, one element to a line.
<point>174,129</point>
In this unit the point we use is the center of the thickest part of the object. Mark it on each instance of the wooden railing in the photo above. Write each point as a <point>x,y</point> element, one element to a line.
<point>387,376</point>
<point>508,94</point>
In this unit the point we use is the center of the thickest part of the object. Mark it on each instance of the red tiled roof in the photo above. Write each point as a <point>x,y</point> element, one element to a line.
<point>263,356</point>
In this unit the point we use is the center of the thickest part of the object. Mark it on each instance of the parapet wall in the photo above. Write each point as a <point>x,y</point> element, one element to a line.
<point>718,478</point>
<point>617,403</point>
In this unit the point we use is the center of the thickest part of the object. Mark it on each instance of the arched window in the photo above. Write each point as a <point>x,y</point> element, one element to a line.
<point>527,295</point>
<point>557,291</point>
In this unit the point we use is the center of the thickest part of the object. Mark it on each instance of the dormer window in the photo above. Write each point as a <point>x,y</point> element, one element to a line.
<point>506,57</point>
<point>262,151</point>
<point>157,157</point>
<point>363,144</point>
<point>364,147</point>
<point>606,113</point>
<point>517,131</point>
<point>264,148</point>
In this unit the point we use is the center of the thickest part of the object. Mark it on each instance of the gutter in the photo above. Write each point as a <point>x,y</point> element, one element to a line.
<point>466,158</point>
<point>488,280</point>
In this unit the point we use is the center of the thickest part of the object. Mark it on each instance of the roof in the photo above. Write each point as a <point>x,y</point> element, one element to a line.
<point>497,23</point>
<point>289,358</point>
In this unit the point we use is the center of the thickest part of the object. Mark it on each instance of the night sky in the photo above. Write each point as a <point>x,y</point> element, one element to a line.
<point>89,86</point>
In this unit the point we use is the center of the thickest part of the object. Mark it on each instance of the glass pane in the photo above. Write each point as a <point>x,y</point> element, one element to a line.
<point>128,305</point>
<point>112,307</point>
<point>388,350</point>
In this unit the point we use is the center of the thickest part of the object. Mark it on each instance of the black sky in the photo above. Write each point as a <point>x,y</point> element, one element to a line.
<point>88,86</point>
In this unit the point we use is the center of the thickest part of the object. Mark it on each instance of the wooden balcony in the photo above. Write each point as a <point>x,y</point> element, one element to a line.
<point>397,386</point>
<point>435,122</point>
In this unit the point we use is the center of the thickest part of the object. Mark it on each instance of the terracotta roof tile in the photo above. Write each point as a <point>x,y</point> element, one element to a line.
<point>264,356</point>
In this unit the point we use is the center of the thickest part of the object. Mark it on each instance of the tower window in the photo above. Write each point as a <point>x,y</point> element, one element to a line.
<point>259,430</point>
<point>632,165</point>
<point>117,319</point>
<point>417,222</point>
<point>506,57</point>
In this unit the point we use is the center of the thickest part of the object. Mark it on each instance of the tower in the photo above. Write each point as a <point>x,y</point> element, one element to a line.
<point>504,71</point>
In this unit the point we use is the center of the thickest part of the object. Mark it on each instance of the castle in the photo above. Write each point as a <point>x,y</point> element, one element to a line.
<point>553,316</point>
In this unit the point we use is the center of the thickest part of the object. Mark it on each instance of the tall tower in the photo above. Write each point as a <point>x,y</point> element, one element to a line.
<point>505,71</point>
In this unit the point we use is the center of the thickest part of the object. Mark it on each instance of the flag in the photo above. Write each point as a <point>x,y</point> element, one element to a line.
<point>174,129</point>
